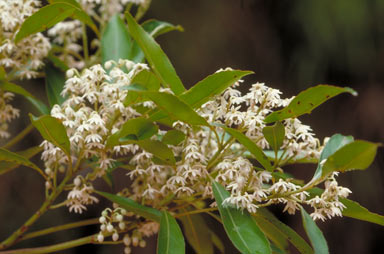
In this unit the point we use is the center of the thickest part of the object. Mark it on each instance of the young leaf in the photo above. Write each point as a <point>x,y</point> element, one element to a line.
<point>40,106</point>
<point>197,233</point>
<point>54,84</point>
<point>256,151</point>
<point>356,211</point>
<point>130,205</point>
<point>210,86</point>
<point>356,155</point>
<point>145,80</point>
<point>240,226</point>
<point>173,137</point>
<point>158,149</point>
<point>315,235</point>
<point>176,108</point>
<point>6,166</point>
<point>137,128</point>
<point>154,28</point>
<point>170,239</point>
<point>44,18</point>
<point>336,142</point>
<point>155,56</point>
<point>52,130</point>
<point>12,157</point>
<point>115,43</point>
<point>306,101</point>
<point>275,224</point>
<point>275,135</point>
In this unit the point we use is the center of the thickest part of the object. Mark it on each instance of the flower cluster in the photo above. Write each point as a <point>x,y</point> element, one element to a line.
<point>7,112</point>
<point>25,57</point>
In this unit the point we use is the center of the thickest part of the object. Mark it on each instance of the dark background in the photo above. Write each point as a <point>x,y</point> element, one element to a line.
<point>290,45</point>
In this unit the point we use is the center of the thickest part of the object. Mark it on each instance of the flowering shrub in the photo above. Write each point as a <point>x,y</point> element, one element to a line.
<point>210,149</point>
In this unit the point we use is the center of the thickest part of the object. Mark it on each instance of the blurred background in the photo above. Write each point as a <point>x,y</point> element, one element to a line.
<point>290,45</point>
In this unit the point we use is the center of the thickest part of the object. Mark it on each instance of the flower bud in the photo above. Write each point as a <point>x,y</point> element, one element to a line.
<point>115,237</point>
<point>109,227</point>
<point>100,238</point>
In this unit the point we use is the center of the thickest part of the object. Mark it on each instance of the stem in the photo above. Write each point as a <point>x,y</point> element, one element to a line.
<point>19,136</point>
<point>196,211</point>
<point>16,236</point>
<point>55,247</point>
<point>60,228</point>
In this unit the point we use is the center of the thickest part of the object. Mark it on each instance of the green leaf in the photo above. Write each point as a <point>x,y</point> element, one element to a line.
<point>176,108</point>
<point>52,130</point>
<point>170,239</point>
<point>306,101</point>
<point>130,205</point>
<point>210,86</point>
<point>54,84</point>
<point>197,233</point>
<point>173,137</point>
<point>157,59</point>
<point>217,242</point>
<point>115,43</point>
<point>275,135</point>
<point>40,106</point>
<point>57,62</point>
<point>356,211</point>
<point>145,80</point>
<point>137,129</point>
<point>273,233</point>
<point>154,28</point>
<point>256,151</point>
<point>3,74</point>
<point>6,166</point>
<point>315,235</point>
<point>44,18</point>
<point>336,142</point>
<point>18,159</point>
<point>240,226</point>
<point>158,149</point>
<point>271,223</point>
<point>79,14</point>
<point>356,155</point>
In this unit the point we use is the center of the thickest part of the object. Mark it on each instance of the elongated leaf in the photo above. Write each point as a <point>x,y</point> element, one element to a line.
<point>40,106</point>
<point>197,233</point>
<point>158,149</point>
<point>306,101</point>
<point>137,129</point>
<point>57,62</point>
<point>315,235</point>
<point>54,84</point>
<point>3,74</point>
<point>356,211</point>
<point>273,233</point>
<point>356,155</point>
<point>256,151</point>
<point>275,224</point>
<point>130,205</point>
<point>240,226</point>
<point>155,56</point>
<point>18,159</point>
<point>115,43</point>
<point>52,130</point>
<point>145,80</point>
<point>79,14</point>
<point>275,135</point>
<point>176,108</point>
<point>212,85</point>
<point>170,239</point>
<point>44,18</point>
<point>6,166</point>
<point>173,137</point>
<point>154,28</point>
<point>336,142</point>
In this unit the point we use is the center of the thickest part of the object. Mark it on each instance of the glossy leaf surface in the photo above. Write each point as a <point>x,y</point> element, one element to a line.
<point>170,239</point>
<point>306,101</point>
<point>159,150</point>
<point>157,59</point>
<point>6,166</point>
<point>315,235</point>
<point>116,43</point>
<point>356,211</point>
<point>274,135</point>
<point>12,157</point>
<point>52,130</point>
<point>240,226</point>
<point>173,137</point>
<point>54,84</point>
<point>132,206</point>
